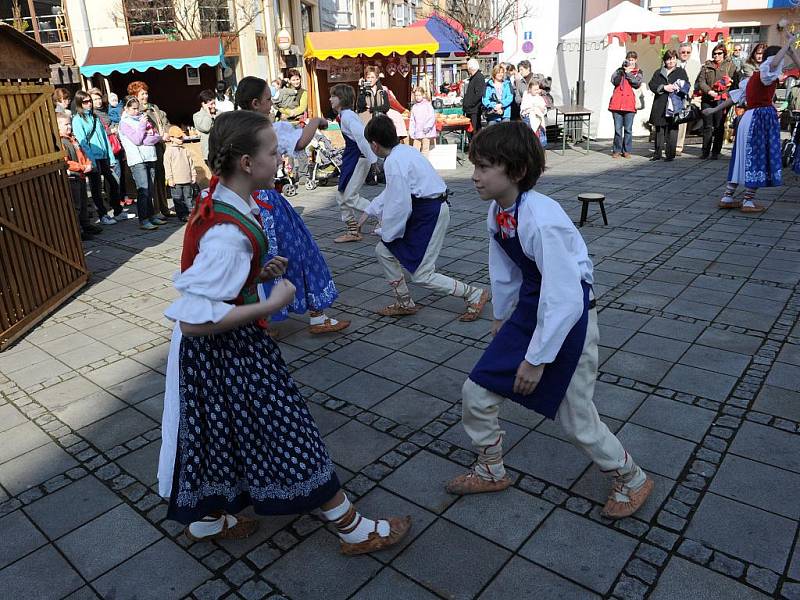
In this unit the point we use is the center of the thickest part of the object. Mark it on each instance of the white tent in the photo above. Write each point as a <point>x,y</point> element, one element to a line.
<point>633,28</point>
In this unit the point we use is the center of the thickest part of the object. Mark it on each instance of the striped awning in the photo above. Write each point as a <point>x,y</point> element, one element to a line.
<point>104,60</point>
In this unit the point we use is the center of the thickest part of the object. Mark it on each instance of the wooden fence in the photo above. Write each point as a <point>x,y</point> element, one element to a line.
<point>41,256</point>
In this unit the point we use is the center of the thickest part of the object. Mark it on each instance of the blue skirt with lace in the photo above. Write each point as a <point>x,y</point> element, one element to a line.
<point>289,237</point>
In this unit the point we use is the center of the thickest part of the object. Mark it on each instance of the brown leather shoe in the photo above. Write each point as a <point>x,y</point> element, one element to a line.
<point>348,237</point>
<point>474,310</point>
<point>734,204</point>
<point>614,509</point>
<point>752,209</point>
<point>398,528</point>
<point>626,155</point>
<point>244,528</point>
<point>328,327</point>
<point>398,310</point>
<point>615,155</point>
<point>472,483</point>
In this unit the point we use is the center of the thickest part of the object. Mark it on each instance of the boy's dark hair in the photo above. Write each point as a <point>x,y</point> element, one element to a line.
<point>345,94</point>
<point>381,130</point>
<point>292,72</point>
<point>669,54</point>
<point>206,96</point>
<point>524,63</point>
<point>515,146</point>
<point>771,51</point>
<point>250,88</point>
<point>632,54</point>
<point>233,136</point>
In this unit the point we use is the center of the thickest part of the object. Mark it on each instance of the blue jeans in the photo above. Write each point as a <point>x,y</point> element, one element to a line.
<point>183,198</point>
<point>144,176</point>
<point>623,131</point>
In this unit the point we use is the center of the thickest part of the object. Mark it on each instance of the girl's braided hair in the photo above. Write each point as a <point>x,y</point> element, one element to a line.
<point>232,136</point>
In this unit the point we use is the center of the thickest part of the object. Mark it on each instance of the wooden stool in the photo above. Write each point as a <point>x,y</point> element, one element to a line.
<point>588,197</point>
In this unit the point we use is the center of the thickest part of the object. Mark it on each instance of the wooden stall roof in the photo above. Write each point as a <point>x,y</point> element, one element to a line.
<point>338,44</point>
<point>22,57</point>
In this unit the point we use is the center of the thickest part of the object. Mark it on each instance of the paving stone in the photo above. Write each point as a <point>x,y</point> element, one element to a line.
<point>212,590</point>
<point>117,428</point>
<point>143,463</point>
<point>779,402</point>
<point>652,554</point>
<point>457,436</point>
<point>655,451</point>
<point>539,584</point>
<point>674,418</point>
<point>34,467</point>
<point>759,485</point>
<point>547,458</point>
<point>767,445</point>
<point>364,390</point>
<point>442,382</point>
<point>637,367</point>
<point>42,574</point>
<point>695,551</point>
<point>392,336</point>
<point>255,590</point>
<point>20,537</point>
<point>238,573</point>
<point>663,538</point>
<point>759,537</point>
<point>615,401</point>
<point>120,533</point>
<point>411,407</point>
<point>322,374</point>
<point>370,447</point>
<point>630,589</point>
<point>391,584</point>
<point>21,439</point>
<point>217,560</point>
<point>763,579</point>
<point>72,506</point>
<point>728,566</point>
<point>595,563</point>
<point>451,560</point>
<point>161,571</point>
<point>335,576</point>
<point>682,579</point>
<point>699,382</point>
<point>422,479</point>
<point>359,354</point>
<point>506,519</point>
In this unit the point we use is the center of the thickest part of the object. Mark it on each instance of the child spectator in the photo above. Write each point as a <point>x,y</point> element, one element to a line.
<point>414,215</point>
<point>138,137</point>
<point>181,176</point>
<point>533,108</point>
<point>114,108</point>
<point>77,168</point>
<point>422,123</point>
<point>544,352</point>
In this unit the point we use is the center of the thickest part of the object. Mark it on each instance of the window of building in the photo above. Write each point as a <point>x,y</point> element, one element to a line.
<point>48,23</point>
<point>306,20</point>
<point>748,37</point>
<point>150,17</point>
<point>214,16</point>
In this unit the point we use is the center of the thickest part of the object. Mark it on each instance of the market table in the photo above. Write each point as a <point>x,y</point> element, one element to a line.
<point>574,117</point>
<point>461,126</point>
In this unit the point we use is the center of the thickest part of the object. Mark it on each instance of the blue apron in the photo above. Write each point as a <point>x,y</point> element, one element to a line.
<point>410,249</point>
<point>350,158</point>
<point>497,368</point>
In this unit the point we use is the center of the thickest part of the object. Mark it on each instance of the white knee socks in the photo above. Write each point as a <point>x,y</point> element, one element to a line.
<point>351,526</point>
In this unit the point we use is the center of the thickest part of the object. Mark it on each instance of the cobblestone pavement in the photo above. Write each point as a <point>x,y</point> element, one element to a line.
<point>700,374</point>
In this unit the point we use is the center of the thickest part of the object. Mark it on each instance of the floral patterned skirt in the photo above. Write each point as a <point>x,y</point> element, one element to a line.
<point>245,435</point>
<point>756,159</point>
<point>289,237</point>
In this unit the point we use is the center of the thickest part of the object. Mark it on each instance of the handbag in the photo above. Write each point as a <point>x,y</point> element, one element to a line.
<point>113,140</point>
<point>640,106</point>
<point>688,114</point>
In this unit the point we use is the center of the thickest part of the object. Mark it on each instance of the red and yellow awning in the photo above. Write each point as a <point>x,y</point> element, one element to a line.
<point>369,42</point>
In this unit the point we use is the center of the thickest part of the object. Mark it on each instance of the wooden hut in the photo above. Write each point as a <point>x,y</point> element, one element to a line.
<point>41,257</point>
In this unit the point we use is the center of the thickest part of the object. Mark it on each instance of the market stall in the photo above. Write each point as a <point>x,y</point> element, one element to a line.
<point>608,38</point>
<point>333,57</point>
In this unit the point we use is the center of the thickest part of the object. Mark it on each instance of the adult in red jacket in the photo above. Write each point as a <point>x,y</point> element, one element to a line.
<point>623,104</point>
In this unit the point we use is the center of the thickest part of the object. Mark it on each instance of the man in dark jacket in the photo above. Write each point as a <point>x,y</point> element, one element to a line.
<point>473,97</point>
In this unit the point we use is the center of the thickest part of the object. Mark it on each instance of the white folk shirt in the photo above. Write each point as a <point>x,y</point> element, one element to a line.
<point>549,238</point>
<point>218,274</point>
<point>288,135</point>
<point>352,127</point>
<point>408,173</point>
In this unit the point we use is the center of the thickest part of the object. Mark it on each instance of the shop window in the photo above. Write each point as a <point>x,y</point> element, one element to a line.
<point>214,17</point>
<point>748,37</point>
<point>306,20</point>
<point>48,23</point>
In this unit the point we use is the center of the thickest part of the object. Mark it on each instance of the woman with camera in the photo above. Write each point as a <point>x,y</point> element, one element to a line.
<point>670,84</point>
<point>372,98</point>
<point>622,105</point>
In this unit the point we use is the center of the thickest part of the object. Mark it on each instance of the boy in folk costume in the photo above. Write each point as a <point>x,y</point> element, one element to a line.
<point>236,431</point>
<point>544,353</point>
<point>414,215</point>
<point>356,161</point>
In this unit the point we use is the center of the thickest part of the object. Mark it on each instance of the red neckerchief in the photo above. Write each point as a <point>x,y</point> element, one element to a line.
<point>506,222</point>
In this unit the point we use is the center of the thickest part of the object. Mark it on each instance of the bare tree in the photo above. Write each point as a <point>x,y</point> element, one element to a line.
<point>190,19</point>
<point>471,24</point>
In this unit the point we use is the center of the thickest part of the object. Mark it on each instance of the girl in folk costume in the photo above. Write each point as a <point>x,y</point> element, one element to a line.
<point>236,432</point>
<point>544,353</point>
<point>414,215</point>
<point>356,162</point>
<point>756,159</point>
<point>285,229</point>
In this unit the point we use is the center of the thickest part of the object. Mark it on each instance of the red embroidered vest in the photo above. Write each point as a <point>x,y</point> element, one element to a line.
<point>207,214</point>
<point>759,95</point>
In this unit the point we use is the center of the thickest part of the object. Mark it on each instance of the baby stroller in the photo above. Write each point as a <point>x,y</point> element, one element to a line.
<point>324,162</point>
<point>285,182</point>
<point>789,146</point>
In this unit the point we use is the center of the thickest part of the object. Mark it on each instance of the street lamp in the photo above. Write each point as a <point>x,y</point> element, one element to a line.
<point>579,89</point>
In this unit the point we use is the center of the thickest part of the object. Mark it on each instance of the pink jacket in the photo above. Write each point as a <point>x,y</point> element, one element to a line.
<point>422,123</point>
